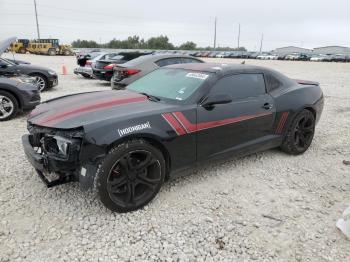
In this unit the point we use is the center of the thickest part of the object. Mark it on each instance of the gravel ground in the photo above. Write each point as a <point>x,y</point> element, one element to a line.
<point>268,206</point>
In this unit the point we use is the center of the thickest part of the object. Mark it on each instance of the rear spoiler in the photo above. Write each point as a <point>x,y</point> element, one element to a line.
<point>306,82</point>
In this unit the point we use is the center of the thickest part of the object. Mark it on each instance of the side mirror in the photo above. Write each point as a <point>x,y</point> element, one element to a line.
<point>216,100</point>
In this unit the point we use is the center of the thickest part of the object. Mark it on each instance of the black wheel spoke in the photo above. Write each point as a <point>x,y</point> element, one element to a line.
<point>130,196</point>
<point>124,164</point>
<point>148,161</point>
<point>307,129</point>
<point>150,183</point>
<point>117,185</point>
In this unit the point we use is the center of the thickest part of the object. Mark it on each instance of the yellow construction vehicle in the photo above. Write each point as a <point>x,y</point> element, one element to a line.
<point>20,46</point>
<point>48,47</point>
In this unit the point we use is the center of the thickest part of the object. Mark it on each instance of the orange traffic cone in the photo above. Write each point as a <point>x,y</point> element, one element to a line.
<point>64,70</point>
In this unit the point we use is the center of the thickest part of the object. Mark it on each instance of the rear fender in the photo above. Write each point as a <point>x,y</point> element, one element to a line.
<point>297,99</point>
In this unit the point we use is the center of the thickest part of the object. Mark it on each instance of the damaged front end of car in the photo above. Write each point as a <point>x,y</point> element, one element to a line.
<point>57,156</point>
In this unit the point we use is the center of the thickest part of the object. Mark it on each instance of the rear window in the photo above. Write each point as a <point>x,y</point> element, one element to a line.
<point>272,83</point>
<point>170,83</point>
<point>169,61</point>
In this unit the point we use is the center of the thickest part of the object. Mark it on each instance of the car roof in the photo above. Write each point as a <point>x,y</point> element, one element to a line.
<point>217,67</point>
<point>226,69</point>
<point>155,57</point>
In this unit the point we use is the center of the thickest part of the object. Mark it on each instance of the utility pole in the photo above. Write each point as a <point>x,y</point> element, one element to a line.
<point>36,17</point>
<point>261,42</point>
<point>239,34</point>
<point>215,33</point>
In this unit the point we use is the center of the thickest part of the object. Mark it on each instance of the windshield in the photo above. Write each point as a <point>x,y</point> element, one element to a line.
<point>170,83</point>
<point>117,57</point>
<point>4,61</point>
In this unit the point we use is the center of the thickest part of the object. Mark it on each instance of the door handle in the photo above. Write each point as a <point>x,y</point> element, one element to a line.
<point>267,106</point>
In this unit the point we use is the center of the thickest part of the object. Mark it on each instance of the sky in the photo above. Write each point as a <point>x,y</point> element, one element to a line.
<point>303,23</point>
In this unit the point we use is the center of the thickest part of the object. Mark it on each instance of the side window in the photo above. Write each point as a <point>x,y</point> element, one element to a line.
<point>240,86</point>
<point>168,61</point>
<point>272,83</point>
<point>190,60</point>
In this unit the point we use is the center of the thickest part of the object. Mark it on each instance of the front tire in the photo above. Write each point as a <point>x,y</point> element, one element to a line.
<point>130,176</point>
<point>41,81</point>
<point>8,106</point>
<point>52,51</point>
<point>300,133</point>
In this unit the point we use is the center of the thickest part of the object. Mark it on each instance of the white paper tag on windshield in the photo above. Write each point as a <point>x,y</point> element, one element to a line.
<point>197,75</point>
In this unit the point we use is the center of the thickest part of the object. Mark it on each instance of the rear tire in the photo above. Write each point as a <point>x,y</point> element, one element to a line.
<point>86,76</point>
<point>112,83</point>
<point>130,176</point>
<point>8,106</point>
<point>300,133</point>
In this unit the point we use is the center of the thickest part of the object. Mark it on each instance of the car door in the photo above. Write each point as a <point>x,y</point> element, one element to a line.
<point>247,118</point>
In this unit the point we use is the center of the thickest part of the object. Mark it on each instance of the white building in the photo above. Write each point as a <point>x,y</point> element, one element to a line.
<point>292,49</point>
<point>332,50</point>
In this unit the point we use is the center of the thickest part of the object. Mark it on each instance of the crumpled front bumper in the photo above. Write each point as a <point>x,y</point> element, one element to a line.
<point>66,171</point>
<point>43,165</point>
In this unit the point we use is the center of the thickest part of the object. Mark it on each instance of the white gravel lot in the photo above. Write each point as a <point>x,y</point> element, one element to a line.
<point>268,206</point>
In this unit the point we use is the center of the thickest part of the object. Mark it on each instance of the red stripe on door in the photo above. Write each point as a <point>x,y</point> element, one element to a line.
<point>190,128</point>
<point>174,124</point>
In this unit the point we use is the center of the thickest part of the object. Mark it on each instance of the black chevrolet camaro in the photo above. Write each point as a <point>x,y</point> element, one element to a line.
<point>126,143</point>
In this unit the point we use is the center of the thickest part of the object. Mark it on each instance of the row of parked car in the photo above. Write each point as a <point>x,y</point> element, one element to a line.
<point>21,84</point>
<point>122,68</point>
<point>274,56</point>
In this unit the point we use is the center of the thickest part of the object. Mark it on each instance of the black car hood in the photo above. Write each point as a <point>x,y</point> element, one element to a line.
<point>31,67</point>
<point>88,109</point>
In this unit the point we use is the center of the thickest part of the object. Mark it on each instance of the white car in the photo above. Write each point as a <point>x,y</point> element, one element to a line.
<point>320,58</point>
<point>221,55</point>
<point>267,57</point>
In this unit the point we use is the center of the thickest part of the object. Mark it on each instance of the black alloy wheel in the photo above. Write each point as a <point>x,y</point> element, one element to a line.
<point>134,178</point>
<point>303,132</point>
<point>130,176</point>
<point>300,133</point>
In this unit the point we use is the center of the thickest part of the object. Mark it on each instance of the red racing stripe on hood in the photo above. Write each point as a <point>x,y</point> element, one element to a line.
<point>59,117</point>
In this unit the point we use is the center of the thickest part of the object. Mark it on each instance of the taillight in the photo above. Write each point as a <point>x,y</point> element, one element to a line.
<point>109,67</point>
<point>130,72</point>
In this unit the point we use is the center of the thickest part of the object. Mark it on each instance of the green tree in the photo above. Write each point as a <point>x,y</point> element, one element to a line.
<point>84,43</point>
<point>188,46</point>
<point>160,42</point>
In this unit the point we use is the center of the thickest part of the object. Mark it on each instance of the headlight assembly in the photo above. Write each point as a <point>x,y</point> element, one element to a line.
<point>59,146</point>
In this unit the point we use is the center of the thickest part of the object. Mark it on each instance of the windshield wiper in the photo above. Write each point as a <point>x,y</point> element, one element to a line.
<point>151,97</point>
